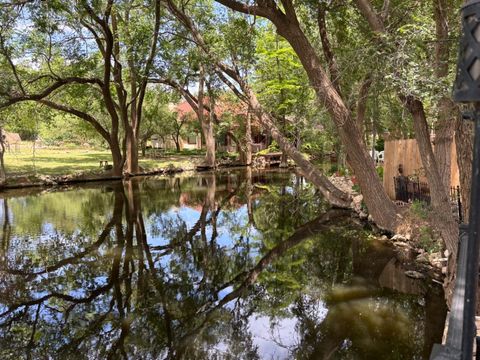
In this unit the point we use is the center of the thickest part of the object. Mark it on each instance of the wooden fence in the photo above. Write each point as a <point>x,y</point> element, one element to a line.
<point>405,153</point>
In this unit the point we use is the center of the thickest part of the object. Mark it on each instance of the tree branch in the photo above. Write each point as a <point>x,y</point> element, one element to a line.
<point>362,104</point>
<point>148,65</point>
<point>370,15</point>
<point>50,89</point>
<point>82,115</point>
<point>256,10</point>
<point>327,48</point>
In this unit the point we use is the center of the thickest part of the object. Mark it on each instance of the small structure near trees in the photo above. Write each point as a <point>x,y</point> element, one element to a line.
<point>12,141</point>
<point>191,138</point>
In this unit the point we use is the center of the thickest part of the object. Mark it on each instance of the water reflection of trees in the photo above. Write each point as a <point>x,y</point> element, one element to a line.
<point>154,283</point>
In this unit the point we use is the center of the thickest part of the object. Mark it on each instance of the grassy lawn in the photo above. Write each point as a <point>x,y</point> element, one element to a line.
<point>55,161</point>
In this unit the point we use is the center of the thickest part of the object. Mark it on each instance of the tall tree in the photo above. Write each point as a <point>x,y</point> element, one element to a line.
<point>77,53</point>
<point>413,103</point>
<point>245,93</point>
<point>206,122</point>
<point>288,26</point>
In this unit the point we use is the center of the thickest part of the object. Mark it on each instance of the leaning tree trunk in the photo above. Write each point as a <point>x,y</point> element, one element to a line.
<point>332,194</point>
<point>443,218</point>
<point>385,211</point>
<point>382,209</point>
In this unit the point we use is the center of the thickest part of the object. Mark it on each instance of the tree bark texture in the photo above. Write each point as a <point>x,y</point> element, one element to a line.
<point>445,124</point>
<point>381,208</point>
<point>464,146</point>
<point>206,124</point>
<point>248,139</point>
<point>443,218</point>
<point>3,173</point>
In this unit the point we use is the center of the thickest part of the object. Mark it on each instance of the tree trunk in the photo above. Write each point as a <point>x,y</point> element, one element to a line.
<point>242,154</point>
<point>464,146</point>
<point>248,139</point>
<point>132,151</point>
<point>206,124</point>
<point>362,107</point>
<point>176,140</point>
<point>207,128</point>
<point>335,196</point>
<point>382,209</point>
<point>3,173</point>
<point>143,145</point>
<point>444,134</point>
<point>117,157</point>
<point>283,160</point>
<point>445,125</point>
<point>443,218</point>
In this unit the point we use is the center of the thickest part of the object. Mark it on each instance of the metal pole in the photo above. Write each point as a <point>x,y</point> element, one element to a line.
<point>471,280</point>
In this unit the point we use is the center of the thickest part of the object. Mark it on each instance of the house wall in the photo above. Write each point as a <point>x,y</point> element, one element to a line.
<point>197,146</point>
<point>157,143</point>
<point>406,153</point>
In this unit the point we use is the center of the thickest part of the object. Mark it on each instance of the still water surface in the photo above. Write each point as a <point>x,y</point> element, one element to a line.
<point>237,265</point>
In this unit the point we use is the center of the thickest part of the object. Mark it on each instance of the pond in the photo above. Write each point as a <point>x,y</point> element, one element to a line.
<point>233,265</point>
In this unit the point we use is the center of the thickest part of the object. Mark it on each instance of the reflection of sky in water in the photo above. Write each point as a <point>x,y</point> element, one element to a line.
<point>273,336</point>
<point>226,219</point>
<point>273,343</point>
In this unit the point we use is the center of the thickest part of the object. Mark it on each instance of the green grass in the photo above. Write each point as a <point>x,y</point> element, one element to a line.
<point>55,161</point>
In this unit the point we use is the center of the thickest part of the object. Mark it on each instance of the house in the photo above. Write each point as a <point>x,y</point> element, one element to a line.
<point>225,110</point>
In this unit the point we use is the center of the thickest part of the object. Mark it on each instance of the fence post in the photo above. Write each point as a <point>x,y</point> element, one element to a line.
<point>459,202</point>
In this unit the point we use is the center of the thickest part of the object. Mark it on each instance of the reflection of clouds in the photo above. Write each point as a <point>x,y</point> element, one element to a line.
<point>273,341</point>
<point>277,337</point>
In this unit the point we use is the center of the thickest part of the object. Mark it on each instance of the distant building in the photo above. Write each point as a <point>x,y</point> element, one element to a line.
<point>11,140</point>
<point>193,139</point>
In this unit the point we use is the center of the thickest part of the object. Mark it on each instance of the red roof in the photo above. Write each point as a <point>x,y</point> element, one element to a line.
<point>221,107</point>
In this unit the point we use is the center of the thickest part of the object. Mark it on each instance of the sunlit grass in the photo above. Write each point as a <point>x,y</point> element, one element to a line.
<point>56,161</point>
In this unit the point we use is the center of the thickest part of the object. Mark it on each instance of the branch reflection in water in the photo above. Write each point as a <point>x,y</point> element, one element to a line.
<point>238,265</point>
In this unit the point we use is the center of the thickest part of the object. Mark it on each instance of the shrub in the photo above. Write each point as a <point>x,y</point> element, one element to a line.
<point>420,209</point>
<point>426,240</point>
<point>333,169</point>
